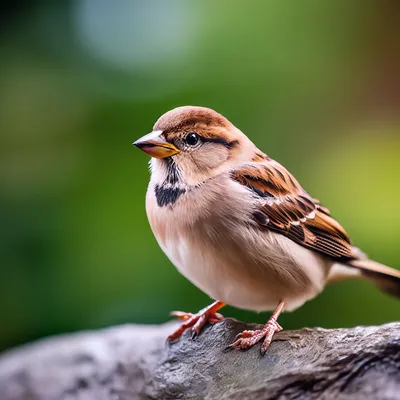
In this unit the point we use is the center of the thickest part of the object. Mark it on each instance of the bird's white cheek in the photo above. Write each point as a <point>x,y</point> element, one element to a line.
<point>211,156</point>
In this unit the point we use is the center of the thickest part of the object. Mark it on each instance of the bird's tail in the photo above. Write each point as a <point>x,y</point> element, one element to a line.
<point>384,278</point>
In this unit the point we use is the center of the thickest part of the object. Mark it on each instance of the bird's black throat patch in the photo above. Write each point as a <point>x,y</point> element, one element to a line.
<point>168,192</point>
<point>167,195</point>
<point>172,171</point>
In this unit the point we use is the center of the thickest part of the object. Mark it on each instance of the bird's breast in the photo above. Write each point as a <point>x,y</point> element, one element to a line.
<point>214,243</point>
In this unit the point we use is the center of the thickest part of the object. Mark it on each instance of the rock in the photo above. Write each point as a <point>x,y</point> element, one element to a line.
<point>134,362</point>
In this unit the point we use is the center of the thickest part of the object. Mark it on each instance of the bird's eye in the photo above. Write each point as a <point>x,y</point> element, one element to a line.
<point>192,138</point>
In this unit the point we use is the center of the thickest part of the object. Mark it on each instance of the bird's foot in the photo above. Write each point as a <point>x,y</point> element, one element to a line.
<point>246,339</point>
<point>195,322</point>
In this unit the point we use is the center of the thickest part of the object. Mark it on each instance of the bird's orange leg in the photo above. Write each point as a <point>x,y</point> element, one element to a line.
<point>247,339</point>
<point>197,321</point>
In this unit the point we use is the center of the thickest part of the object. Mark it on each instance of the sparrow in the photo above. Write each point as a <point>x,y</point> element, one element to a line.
<point>239,226</point>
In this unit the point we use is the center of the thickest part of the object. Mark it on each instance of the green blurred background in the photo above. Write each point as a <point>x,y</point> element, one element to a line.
<point>314,83</point>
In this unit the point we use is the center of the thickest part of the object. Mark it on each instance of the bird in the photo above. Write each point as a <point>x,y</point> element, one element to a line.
<point>240,227</point>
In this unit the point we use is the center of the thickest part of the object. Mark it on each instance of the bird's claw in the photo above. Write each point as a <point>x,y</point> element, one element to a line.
<point>184,316</point>
<point>194,322</point>
<point>247,339</point>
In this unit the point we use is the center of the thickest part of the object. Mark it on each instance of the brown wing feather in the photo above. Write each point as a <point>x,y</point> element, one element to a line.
<point>288,209</point>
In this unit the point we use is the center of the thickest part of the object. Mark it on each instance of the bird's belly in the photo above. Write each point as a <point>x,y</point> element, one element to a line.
<point>253,276</point>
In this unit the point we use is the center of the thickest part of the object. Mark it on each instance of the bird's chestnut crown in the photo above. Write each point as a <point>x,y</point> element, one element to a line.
<point>185,129</point>
<point>193,126</point>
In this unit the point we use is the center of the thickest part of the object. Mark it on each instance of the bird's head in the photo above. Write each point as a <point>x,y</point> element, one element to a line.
<point>194,143</point>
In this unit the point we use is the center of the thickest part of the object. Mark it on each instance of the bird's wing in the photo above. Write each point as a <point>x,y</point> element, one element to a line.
<point>286,208</point>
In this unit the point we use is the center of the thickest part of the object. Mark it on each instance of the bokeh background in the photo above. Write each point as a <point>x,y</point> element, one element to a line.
<point>315,84</point>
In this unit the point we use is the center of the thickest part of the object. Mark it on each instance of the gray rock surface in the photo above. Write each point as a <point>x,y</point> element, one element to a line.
<point>134,362</point>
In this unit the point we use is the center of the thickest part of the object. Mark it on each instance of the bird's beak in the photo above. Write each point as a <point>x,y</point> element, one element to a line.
<point>155,145</point>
